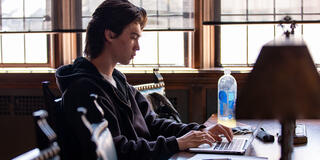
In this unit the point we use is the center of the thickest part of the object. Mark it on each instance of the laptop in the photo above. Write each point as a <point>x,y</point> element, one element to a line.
<point>236,146</point>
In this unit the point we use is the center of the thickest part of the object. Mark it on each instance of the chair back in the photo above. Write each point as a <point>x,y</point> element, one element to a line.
<point>48,148</point>
<point>55,117</point>
<point>101,135</point>
<point>155,93</point>
<point>52,104</point>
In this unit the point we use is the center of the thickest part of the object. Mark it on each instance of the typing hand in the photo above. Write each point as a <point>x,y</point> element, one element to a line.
<point>218,129</point>
<point>194,139</point>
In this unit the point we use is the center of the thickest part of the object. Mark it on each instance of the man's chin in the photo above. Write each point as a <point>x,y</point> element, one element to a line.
<point>124,63</point>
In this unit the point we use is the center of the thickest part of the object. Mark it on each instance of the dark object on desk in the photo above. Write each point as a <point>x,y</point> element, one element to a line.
<point>241,130</point>
<point>300,137</point>
<point>264,136</point>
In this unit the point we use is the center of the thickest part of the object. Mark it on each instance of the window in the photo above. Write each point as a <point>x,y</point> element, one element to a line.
<point>33,36</point>
<point>166,39</point>
<point>17,47</point>
<point>247,40</point>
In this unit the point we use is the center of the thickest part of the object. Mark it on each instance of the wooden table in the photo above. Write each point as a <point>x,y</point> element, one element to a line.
<point>309,151</point>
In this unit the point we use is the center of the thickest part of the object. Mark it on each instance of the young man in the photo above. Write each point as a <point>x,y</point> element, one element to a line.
<point>112,37</point>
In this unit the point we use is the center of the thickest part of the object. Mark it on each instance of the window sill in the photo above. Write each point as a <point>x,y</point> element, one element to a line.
<point>27,70</point>
<point>139,70</point>
<point>135,70</point>
<point>184,70</point>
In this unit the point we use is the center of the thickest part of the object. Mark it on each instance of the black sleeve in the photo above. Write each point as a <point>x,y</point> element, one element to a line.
<point>161,148</point>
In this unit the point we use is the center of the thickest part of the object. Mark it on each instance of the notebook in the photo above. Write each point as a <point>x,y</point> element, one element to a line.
<point>236,146</point>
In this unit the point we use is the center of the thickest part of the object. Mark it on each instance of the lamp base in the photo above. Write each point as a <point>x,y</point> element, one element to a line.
<point>300,136</point>
<point>287,131</point>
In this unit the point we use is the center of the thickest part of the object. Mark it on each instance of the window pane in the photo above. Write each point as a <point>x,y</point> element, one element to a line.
<point>233,18</point>
<point>176,6</point>
<point>136,2</point>
<point>36,48</point>
<point>311,6</point>
<point>148,49</point>
<point>257,38</point>
<point>233,7</point>
<point>171,48</point>
<point>288,6</point>
<point>12,25</point>
<point>1,49</point>
<point>88,6</point>
<point>177,22</point>
<point>13,48</point>
<point>312,17</point>
<point>156,23</point>
<point>311,35</point>
<point>85,22</point>
<point>12,8</point>
<point>35,25</point>
<point>260,18</point>
<point>35,8</point>
<point>163,5</point>
<point>260,6</point>
<point>160,13</point>
<point>149,5</point>
<point>235,36</point>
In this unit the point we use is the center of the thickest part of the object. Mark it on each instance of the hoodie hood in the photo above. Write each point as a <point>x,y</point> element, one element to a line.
<point>81,67</point>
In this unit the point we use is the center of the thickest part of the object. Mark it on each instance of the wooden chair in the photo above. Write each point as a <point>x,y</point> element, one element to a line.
<point>100,133</point>
<point>48,148</point>
<point>55,118</point>
<point>52,104</point>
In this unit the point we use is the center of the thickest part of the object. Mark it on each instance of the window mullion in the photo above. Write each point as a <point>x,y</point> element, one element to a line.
<point>158,45</point>
<point>1,49</point>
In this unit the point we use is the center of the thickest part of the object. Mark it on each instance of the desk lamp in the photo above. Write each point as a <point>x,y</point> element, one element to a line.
<point>284,84</point>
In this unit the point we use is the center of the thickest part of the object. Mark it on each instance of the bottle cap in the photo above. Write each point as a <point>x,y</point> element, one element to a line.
<point>227,71</point>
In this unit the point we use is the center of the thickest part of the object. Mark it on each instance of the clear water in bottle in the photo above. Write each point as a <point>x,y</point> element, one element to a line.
<point>227,95</point>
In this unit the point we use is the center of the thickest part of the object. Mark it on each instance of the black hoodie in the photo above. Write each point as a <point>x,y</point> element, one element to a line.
<point>136,131</point>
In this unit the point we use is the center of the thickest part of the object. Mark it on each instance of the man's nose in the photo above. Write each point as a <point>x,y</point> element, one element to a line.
<point>137,46</point>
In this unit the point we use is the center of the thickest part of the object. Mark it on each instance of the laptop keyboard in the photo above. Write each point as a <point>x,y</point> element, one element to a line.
<point>235,144</point>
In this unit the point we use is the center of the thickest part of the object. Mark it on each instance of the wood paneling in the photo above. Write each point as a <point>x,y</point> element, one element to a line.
<point>196,84</point>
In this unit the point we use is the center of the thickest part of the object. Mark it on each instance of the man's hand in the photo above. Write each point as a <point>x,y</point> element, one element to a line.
<point>218,129</point>
<point>194,139</point>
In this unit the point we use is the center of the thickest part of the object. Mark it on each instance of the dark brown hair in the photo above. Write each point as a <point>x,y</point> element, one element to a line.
<point>114,15</point>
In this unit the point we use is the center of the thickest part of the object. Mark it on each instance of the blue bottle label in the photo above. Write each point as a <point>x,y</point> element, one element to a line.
<point>223,96</point>
<point>221,108</point>
<point>223,100</point>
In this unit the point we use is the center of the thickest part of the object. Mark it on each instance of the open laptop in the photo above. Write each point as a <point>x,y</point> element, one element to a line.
<point>236,146</point>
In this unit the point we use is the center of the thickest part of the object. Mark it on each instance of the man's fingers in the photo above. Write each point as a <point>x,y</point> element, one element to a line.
<point>209,137</point>
<point>229,130</point>
<point>225,132</point>
<point>217,138</point>
<point>220,129</point>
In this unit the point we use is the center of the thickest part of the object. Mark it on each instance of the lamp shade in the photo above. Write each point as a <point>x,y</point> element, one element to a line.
<point>284,83</point>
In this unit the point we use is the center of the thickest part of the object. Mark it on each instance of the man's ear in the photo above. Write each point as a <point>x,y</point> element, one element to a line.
<point>109,35</point>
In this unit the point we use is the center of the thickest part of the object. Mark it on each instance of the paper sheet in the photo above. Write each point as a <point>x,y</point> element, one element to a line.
<point>224,157</point>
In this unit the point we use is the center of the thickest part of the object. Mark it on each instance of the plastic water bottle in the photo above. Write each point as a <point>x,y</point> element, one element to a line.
<point>227,95</point>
